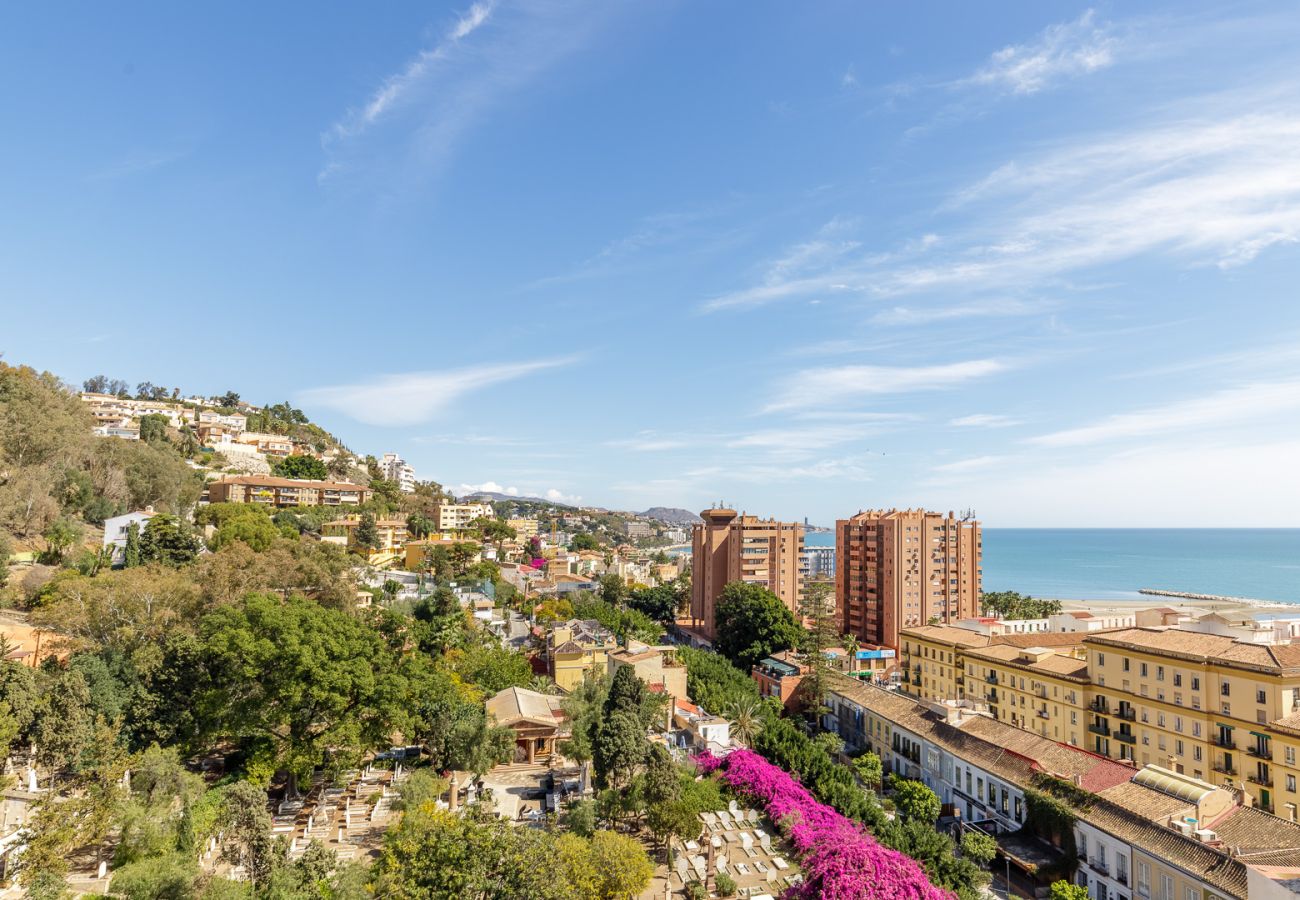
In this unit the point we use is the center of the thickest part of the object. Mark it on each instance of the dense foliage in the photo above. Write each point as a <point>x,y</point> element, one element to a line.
<point>751,622</point>
<point>1012,605</point>
<point>840,859</point>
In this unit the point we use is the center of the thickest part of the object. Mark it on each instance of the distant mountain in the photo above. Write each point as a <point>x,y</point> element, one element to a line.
<point>672,515</point>
<point>493,495</point>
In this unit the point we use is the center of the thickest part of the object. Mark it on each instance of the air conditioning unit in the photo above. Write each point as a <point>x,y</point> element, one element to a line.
<point>1206,836</point>
<point>1182,827</point>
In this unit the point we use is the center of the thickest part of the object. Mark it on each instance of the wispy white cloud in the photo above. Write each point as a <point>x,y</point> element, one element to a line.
<point>649,441</point>
<point>487,487</point>
<point>415,397</point>
<point>1203,184</point>
<point>400,86</point>
<point>1059,52</point>
<point>832,385</point>
<point>925,315</point>
<point>970,465</point>
<point>488,52</point>
<point>984,420</point>
<point>1268,400</point>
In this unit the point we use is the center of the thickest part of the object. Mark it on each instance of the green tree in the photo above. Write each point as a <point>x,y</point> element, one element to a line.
<point>255,528</point>
<point>613,589</point>
<point>584,541</point>
<point>751,623</point>
<point>59,537</point>
<point>1064,890</point>
<point>916,801</point>
<point>619,747</point>
<point>131,553</point>
<point>299,466</point>
<point>168,541</point>
<point>978,847</point>
<point>869,769</point>
<point>293,681</point>
<point>725,884</point>
<point>623,869</point>
<point>246,826</point>
<point>367,533</point>
<point>747,716</point>
<point>1013,605</point>
<point>153,429</point>
<point>64,727</point>
<point>820,634</point>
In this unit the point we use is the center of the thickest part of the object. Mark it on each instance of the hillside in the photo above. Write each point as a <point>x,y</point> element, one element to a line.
<point>672,515</point>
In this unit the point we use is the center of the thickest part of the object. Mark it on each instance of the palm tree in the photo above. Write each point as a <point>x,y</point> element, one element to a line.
<point>746,720</point>
<point>542,684</point>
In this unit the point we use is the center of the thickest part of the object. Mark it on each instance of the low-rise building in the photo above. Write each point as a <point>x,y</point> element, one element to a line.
<point>637,530</point>
<point>576,649</point>
<point>280,492</point>
<point>391,534</point>
<point>778,676</point>
<point>458,516</point>
<point>398,471</point>
<point>538,721</point>
<point>698,731</point>
<point>116,529</point>
<point>658,666</point>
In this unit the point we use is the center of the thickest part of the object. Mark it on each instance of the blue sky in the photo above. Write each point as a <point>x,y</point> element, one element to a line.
<point>1036,259</point>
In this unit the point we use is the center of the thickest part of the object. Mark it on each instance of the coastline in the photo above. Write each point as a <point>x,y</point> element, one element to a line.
<point>1173,600</point>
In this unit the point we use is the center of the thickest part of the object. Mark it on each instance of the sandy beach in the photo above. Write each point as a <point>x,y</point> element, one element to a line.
<point>1119,607</point>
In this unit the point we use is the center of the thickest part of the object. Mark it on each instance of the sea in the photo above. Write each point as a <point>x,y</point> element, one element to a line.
<point>1114,563</point>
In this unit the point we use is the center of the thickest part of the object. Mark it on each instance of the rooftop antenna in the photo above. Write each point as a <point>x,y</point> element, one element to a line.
<point>967,514</point>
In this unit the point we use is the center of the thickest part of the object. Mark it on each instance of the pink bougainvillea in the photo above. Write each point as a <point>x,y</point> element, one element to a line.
<point>840,860</point>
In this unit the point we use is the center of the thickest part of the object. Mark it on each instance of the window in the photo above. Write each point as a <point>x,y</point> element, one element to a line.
<point>1260,696</point>
<point>1178,723</point>
<point>1143,669</point>
<point>1225,688</point>
<point>1196,683</point>
<point>1191,893</point>
<point>1126,662</point>
<point>1290,783</point>
<point>1101,659</point>
<point>1178,679</point>
<point>1167,887</point>
<point>1196,753</point>
<point>1178,747</point>
<point>1160,673</point>
<point>1290,756</point>
<point>1144,879</point>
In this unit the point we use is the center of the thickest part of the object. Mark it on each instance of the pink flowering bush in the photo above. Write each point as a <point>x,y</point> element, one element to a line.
<point>840,860</point>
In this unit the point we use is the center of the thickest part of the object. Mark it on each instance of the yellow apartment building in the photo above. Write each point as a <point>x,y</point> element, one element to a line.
<point>576,649</point>
<point>392,534</point>
<point>1034,688</point>
<point>1207,705</point>
<point>933,660</point>
<point>524,528</point>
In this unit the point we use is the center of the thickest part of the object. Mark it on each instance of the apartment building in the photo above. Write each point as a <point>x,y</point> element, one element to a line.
<point>398,471</point>
<point>392,534</point>
<point>656,666</point>
<point>1202,704</point>
<point>111,410</point>
<point>576,649</point>
<point>524,528</point>
<point>730,546</point>
<point>279,492</point>
<point>636,531</point>
<point>1149,834</point>
<point>458,516</point>
<point>897,569</point>
<point>1035,688</point>
<point>933,657</point>
<point>819,562</point>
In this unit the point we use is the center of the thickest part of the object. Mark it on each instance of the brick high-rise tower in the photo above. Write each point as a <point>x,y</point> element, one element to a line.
<point>898,568</point>
<point>729,546</point>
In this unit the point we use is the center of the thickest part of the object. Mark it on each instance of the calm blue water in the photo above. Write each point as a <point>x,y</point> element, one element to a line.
<point>1112,563</point>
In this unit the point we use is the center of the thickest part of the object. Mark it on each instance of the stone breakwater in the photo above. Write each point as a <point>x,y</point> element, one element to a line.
<point>1211,598</point>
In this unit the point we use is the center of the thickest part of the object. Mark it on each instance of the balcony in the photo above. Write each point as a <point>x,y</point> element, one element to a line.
<point>1126,737</point>
<point>1263,779</point>
<point>1260,752</point>
<point>1266,807</point>
<point>1121,877</point>
<point>1128,713</point>
<point>1100,705</point>
<point>1043,714</point>
<point>1100,728</point>
<point>991,696</point>
<point>1099,865</point>
<point>1226,744</point>
<point>992,678</point>
<point>1225,768</point>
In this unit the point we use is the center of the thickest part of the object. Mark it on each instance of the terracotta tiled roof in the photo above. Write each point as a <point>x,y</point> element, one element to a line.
<point>1199,646</point>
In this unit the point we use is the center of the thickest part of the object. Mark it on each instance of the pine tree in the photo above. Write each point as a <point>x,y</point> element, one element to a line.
<point>131,554</point>
<point>820,635</point>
